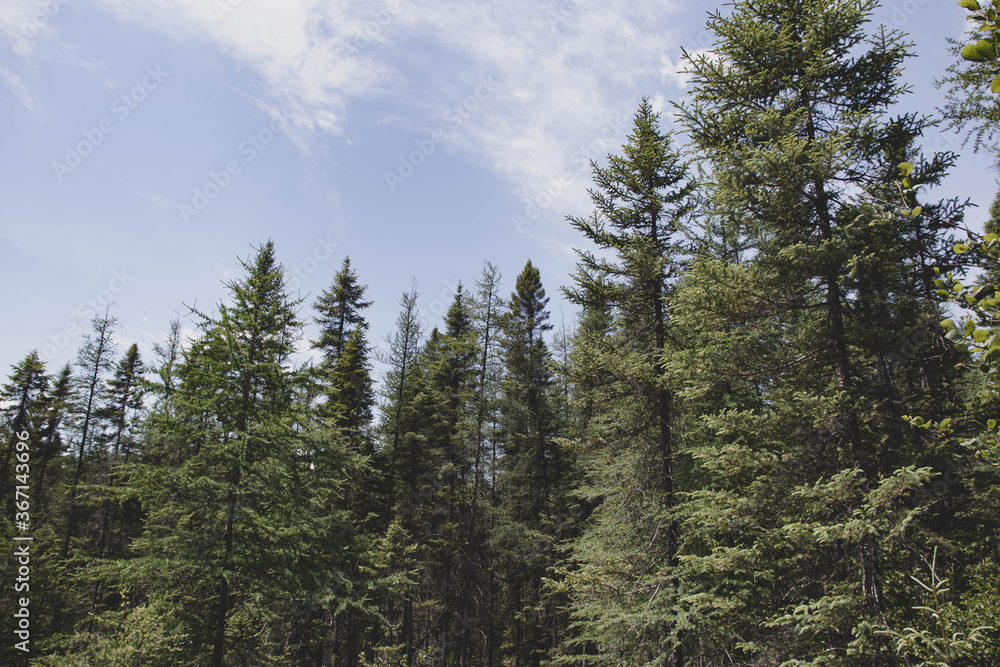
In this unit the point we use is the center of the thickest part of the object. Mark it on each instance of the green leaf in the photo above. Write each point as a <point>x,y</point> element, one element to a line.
<point>971,5</point>
<point>990,238</point>
<point>991,424</point>
<point>962,248</point>
<point>985,48</point>
<point>917,211</point>
<point>948,325</point>
<point>905,168</point>
<point>995,86</point>
<point>945,422</point>
<point>969,52</point>
<point>980,335</point>
<point>969,327</point>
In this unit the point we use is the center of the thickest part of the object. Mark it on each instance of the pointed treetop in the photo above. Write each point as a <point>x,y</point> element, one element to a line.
<point>528,301</point>
<point>339,310</point>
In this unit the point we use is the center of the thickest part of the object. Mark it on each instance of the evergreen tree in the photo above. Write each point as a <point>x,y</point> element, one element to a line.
<point>347,399</point>
<point>25,396</point>
<point>94,360</point>
<point>400,457</point>
<point>795,407</point>
<point>532,473</point>
<point>345,372</point>
<point>241,528</point>
<point>339,309</point>
<point>642,201</point>
<point>23,404</point>
<point>119,412</point>
<point>51,448</point>
<point>453,366</point>
<point>479,558</point>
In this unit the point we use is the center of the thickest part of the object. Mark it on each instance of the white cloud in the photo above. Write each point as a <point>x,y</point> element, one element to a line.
<point>25,22</point>
<point>301,48</point>
<point>564,68</point>
<point>15,83</point>
<point>673,71</point>
<point>568,74</point>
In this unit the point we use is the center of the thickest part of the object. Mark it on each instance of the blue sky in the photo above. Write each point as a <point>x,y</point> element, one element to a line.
<point>149,143</point>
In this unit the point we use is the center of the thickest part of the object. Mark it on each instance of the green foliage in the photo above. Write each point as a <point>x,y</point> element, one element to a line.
<point>944,640</point>
<point>759,425</point>
<point>969,105</point>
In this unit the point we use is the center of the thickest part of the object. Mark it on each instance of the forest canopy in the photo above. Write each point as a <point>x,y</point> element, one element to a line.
<point>770,438</point>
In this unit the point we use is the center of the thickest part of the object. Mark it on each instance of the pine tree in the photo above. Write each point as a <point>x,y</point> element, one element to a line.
<point>400,457</point>
<point>94,361</point>
<point>532,472</point>
<point>240,526</point>
<point>443,451</point>
<point>25,392</point>
<point>339,309</point>
<point>479,558</point>
<point>795,406</point>
<point>122,402</point>
<point>642,201</point>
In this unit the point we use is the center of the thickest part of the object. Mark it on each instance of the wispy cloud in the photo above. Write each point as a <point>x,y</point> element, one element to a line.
<point>298,47</point>
<point>18,87</point>
<point>565,67</point>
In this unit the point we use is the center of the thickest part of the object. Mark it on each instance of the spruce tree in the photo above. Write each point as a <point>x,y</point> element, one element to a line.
<point>344,374</point>
<point>25,394</point>
<point>479,558</point>
<point>95,359</point>
<point>241,529</point>
<point>23,403</point>
<point>532,473</point>
<point>403,397</point>
<point>795,405</point>
<point>119,413</point>
<point>339,308</point>
<point>642,201</point>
